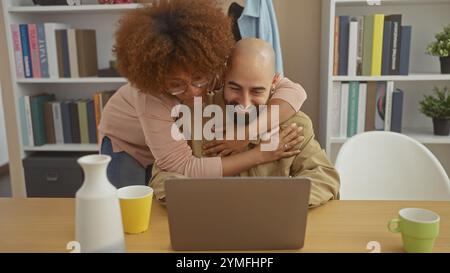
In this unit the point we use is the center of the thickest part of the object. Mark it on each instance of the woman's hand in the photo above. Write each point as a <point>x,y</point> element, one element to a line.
<point>227,147</point>
<point>289,139</point>
<point>224,147</point>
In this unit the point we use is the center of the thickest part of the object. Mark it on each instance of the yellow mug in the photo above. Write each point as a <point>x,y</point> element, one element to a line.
<point>136,205</point>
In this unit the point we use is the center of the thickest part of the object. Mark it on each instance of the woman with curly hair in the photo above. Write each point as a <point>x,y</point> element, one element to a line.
<point>170,53</point>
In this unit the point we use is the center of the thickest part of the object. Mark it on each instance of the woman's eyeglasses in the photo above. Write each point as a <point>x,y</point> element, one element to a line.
<point>177,86</point>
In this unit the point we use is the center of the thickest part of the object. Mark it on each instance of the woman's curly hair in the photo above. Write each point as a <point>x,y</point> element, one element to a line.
<point>192,34</point>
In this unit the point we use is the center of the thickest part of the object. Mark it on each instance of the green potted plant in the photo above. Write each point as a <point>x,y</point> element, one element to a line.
<point>441,48</point>
<point>437,107</point>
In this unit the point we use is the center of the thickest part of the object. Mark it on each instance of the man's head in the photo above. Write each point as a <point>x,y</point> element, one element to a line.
<point>250,74</point>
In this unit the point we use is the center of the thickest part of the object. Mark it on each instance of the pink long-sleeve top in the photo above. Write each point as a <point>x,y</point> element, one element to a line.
<point>140,124</point>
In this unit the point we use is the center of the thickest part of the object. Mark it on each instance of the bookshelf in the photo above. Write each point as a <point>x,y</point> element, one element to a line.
<point>426,17</point>
<point>90,15</point>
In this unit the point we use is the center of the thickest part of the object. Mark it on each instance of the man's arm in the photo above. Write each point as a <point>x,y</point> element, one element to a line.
<point>313,162</point>
<point>158,180</point>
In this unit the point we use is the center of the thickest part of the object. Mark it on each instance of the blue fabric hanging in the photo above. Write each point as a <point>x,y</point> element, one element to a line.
<point>259,20</point>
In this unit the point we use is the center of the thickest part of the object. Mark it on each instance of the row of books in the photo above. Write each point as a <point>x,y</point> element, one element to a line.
<point>44,120</point>
<point>54,50</point>
<point>357,107</point>
<point>371,45</point>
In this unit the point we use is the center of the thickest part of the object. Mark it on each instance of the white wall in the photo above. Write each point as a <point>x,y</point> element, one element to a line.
<point>3,146</point>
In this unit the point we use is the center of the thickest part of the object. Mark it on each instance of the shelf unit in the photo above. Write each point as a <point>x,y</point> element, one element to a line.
<point>102,18</point>
<point>63,148</point>
<point>73,80</point>
<point>88,8</point>
<point>423,135</point>
<point>409,78</point>
<point>426,17</point>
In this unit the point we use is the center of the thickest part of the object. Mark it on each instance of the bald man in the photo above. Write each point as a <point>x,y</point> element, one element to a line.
<point>251,78</point>
<point>249,81</point>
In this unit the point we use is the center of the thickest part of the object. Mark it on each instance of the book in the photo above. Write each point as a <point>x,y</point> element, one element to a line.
<point>66,121</point>
<point>52,47</point>
<point>344,25</point>
<point>92,129</point>
<point>97,111</point>
<point>405,49</point>
<point>362,107</point>
<point>73,56</point>
<point>42,50</point>
<point>87,52</point>
<point>386,48</point>
<point>370,106</point>
<point>359,58</point>
<point>380,105</point>
<point>367,45</point>
<point>29,121</point>
<point>83,123</point>
<point>352,118</point>
<point>388,106</point>
<point>344,109</point>
<point>377,49</point>
<point>17,47</point>
<point>58,122</point>
<point>335,109</point>
<point>38,120</point>
<point>352,48</point>
<point>59,53</point>
<point>63,53</point>
<point>74,122</point>
<point>27,67</point>
<point>48,120</point>
<point>34,50</point>
<point>105,96</point>
<point>23,121</point>
<point>395,39</point>
<point>397,111</point>
<point>336,46</point>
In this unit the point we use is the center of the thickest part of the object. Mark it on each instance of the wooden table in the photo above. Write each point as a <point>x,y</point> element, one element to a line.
<point>47,225</point>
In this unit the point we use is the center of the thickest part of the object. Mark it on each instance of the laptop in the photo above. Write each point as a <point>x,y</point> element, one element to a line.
<point>237,213</point>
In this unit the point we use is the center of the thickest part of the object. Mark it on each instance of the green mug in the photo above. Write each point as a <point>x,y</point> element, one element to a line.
<point>419,229</point>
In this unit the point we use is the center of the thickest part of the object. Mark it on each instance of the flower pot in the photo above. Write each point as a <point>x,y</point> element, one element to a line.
<point>441,126</point>
<point>445,65</point>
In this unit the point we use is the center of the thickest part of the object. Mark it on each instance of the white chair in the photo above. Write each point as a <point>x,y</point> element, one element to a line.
<point>390,166</point>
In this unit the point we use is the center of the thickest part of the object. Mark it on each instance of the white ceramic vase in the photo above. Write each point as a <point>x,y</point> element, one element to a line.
<point>98,220</point>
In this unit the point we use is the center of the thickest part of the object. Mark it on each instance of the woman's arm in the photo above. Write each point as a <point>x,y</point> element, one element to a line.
<point>287,95</point>
<point>170,154</point>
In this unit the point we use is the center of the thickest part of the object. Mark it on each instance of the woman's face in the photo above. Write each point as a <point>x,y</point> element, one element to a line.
<point>185,86</point>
